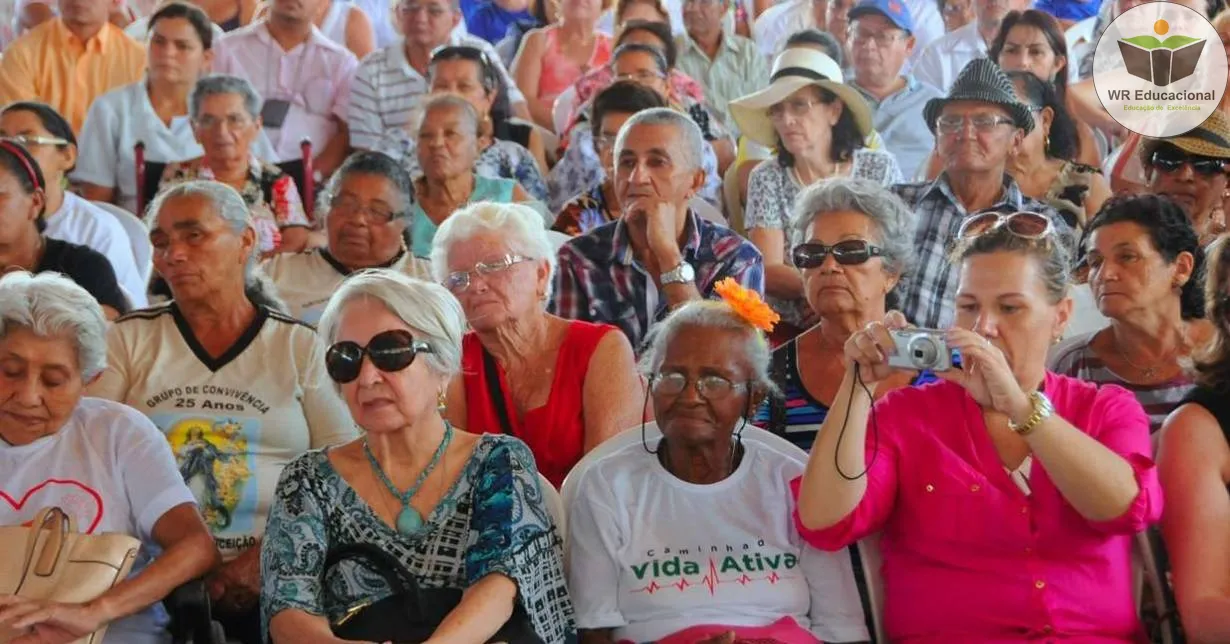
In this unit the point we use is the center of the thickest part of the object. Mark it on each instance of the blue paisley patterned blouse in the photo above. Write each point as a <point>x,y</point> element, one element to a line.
<point>493,520</point>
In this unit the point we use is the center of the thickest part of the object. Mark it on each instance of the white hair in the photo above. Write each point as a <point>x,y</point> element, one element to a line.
<point>692,140</point>
<point>520,226</point>
<point>229,205</point>
<point>51,305</point>
<point>423,306</point>
<point>713,315</point>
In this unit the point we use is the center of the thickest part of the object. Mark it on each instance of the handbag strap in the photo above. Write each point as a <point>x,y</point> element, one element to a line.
<point>381,562</point>
<point>779,372</point>
<point>495,392</point>
<point>50,552</point>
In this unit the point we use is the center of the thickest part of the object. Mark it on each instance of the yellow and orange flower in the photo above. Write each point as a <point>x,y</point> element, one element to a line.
<point>747,304</point>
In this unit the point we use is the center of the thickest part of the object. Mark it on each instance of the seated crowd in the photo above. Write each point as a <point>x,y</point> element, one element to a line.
<point>682,321</point>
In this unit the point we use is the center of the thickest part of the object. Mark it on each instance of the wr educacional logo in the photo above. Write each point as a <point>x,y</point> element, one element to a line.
<point>1161,62</point>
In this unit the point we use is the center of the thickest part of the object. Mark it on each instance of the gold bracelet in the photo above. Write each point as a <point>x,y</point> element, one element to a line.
<point>1042,409</point>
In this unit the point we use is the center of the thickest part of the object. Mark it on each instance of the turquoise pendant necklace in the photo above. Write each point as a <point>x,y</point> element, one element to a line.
<point>409,521</point>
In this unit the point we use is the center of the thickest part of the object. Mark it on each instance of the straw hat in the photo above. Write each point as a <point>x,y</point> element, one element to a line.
<point>793,70</point>
<point>1209,139</point>
<point>982,81</point>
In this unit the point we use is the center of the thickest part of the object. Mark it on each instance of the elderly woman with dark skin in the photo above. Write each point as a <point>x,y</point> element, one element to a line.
<point>1193,463</point>
<point>367,210</point>
<point>238,387</point>
<point>1007,497</point>
<point>23,203</point>
<point>562,386</point>
<point>53,439</point>
<point>855,248</point>
<point>1144,266</point>
<point>447,151</point>
<point>708,479</point>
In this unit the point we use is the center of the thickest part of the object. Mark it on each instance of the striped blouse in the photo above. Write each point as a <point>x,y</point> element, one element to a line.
<point>1075,357</point>
<point>797,415</point>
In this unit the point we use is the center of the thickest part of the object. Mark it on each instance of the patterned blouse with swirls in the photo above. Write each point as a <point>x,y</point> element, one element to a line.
<point>493,520</point>
<point>270,193</point>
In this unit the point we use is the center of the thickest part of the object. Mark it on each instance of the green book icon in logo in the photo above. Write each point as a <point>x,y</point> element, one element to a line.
<point>1161,62</point>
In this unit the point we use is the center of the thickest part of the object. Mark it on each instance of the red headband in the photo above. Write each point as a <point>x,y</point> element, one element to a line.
<point>22,154</point>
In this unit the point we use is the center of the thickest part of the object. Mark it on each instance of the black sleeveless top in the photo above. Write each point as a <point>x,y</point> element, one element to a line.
<point>1217,402</point>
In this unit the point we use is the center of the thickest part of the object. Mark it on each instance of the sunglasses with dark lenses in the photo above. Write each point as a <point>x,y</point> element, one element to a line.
<point>1172,160</point>
<point>846,253</point>
<point>1029,225</point>
<point>389,351</point>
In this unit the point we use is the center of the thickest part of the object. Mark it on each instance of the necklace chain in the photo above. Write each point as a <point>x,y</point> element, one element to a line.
<point>1146,372</point>
<point>406,496</point>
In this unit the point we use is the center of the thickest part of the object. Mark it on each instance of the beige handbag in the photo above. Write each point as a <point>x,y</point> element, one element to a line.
<point>51,560</point>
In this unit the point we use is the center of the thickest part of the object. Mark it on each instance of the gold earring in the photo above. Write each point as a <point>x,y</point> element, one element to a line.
<point>442,402</point>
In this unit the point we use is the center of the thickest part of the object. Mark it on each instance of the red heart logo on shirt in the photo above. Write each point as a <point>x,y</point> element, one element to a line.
<point>77,499</point>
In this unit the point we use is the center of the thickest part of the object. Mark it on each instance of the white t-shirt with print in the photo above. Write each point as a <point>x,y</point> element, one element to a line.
<point>650,555</point>
<point>306,281</point>
<point>233,421</point>
<point>112,470</point>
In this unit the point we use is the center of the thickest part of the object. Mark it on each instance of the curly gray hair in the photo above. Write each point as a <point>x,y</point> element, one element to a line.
<point>714,315</point>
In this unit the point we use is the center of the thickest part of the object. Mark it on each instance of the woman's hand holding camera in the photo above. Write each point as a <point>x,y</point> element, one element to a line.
<point>870,348</point>
<point>986,375</point>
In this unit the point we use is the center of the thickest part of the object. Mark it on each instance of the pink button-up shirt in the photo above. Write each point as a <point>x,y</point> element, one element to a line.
<point>314,76</point>
<point>967,556</point>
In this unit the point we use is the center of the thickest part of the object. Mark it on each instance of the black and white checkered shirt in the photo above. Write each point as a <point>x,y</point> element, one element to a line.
<point>932,289</point>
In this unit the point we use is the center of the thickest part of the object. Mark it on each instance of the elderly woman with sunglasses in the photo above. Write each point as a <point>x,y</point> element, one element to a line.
<point>562,386</point>
<point>1144,265</point>
<point>367,210</point>
<point>688,537</point>
<point>454,510</point>
<point>1006,498</point>
<point>237,386</point>
<point>856,249</point>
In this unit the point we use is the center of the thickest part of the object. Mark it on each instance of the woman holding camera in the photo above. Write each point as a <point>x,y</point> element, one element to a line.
<point>1007,496</point>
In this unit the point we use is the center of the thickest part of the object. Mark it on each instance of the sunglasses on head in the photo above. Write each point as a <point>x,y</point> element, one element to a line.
<point>846,253</point>
<point>1029,225</point>
<point>466,52</point>
<point>389,351</point>
<point>1171,159</point>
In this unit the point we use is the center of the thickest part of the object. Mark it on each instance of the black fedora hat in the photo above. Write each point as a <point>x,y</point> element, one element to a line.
<point>983,81</point>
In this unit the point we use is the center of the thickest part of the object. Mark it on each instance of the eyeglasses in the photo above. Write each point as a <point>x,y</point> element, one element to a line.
<point>389,351</point>
<point>709,387</point>
<point>796,107</point>
<point>847,253</point>
<point>1029,225</point>
<point>26,141</point>
<point>232,122</point>
<point>983,123</point>
<point>1173,159</point>
<point>348,206</point>
<point>643,76</point>
<point>882,39</point>
<point>466,52</point>
<point>432,10</point>
<point>459,281</point>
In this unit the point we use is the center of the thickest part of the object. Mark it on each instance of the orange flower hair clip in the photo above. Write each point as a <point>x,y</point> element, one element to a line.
<point>747,304</point>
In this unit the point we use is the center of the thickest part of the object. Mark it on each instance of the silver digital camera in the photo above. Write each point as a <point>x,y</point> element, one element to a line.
<point>920,349</point>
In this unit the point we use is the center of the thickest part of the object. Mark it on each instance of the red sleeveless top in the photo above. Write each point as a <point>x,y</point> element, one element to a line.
<point>555,432</point>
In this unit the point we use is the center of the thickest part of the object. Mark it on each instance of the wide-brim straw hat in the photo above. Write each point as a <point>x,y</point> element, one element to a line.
<point>1209,139</point>
<point>984,82</point>
<point>793,70</point>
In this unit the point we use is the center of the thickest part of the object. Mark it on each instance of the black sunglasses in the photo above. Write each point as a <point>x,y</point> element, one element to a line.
<point>846,253</point>
<point>389,351</point>
<point>1172,160</point>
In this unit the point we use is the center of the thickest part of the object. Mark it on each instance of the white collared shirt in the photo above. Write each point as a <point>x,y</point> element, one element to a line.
<point>78,221</point>
<point>387,89</point>
<point>778,23</point>
<point>314,76</point>
<point>943,59</point>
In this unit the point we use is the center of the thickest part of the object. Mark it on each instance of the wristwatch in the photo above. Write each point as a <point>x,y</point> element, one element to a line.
<point>681,274</point>
<point>1042,409</point>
